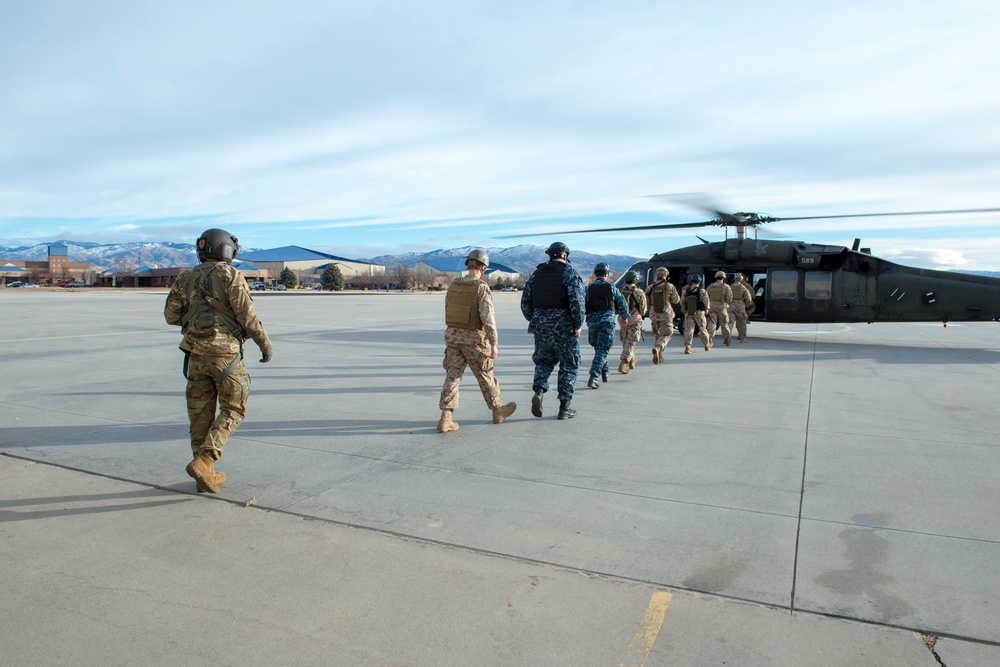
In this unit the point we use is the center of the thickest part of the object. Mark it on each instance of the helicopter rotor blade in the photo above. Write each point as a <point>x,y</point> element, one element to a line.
<point>682,225</point>
<point>876,215</point>
<point>698,200</point>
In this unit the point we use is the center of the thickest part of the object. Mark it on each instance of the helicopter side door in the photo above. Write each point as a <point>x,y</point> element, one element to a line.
<point>801,295</point>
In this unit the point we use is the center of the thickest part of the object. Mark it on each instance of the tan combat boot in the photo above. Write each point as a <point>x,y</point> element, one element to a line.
<point>202,468</point>
<point>623,368</point>
<point>687,349</point>
<point>445,424</point>
<point>656,356</point>
<point>503,412</point>
<point>631,361</point>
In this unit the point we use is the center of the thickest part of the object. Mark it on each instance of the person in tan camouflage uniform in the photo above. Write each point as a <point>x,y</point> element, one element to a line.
<point>721,296</point>
<point>631,329</point>
<point>694,304</point>
<point>470,340</point>
<point>740,307</point>
<point>211,303</point>
<point>661,296</point>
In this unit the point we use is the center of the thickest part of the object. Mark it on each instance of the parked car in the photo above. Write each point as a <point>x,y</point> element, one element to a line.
<point>16,283</point>
<point>258,285</point>
<point>280,288</point>
<point>76,283</point>
<point>32,285</point>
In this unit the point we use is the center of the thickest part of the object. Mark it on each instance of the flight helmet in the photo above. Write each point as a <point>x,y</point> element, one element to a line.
<point>217,244</point>
<point>480,256</point>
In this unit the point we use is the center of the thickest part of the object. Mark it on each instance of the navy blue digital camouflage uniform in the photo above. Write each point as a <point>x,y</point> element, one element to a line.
<point>553,329</point>
<point>601,328</point>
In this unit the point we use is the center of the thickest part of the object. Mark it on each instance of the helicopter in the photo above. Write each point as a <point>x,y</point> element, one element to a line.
<point>797,281</point>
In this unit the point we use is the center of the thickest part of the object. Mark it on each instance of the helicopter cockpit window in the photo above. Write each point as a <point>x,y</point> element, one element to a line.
<point>783,284</point>
<point>819,284</point>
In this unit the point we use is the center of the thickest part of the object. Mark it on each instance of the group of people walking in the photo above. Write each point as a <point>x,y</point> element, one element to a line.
<point>556,304</point>
<point>212,305</point>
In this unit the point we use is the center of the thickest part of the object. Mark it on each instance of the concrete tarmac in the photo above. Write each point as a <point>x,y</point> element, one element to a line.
<point>824,494</point>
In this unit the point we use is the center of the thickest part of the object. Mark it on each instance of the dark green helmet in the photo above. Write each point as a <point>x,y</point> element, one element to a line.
<point>217,244</point>
<point>630,277</point>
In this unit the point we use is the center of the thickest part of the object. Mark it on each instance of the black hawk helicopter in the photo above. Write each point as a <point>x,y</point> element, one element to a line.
<point>796,281</point>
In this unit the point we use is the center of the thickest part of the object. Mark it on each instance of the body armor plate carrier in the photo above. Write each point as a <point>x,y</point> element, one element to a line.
<point>548,290</point>
<point>462,306</point>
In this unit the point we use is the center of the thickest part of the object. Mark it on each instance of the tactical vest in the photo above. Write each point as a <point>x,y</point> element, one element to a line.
<point>741,292</point>
<point>461,306</point>
<point>547,289</point>
<point>693,300</point>
<point>660,296</point>
<point>600,298</point>
<point>629,293</point>
<point>717,293</point>
<point>208,303</point>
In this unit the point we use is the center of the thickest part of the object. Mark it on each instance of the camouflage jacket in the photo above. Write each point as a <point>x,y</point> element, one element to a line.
<point>205,329</point>
<point>558,321</point>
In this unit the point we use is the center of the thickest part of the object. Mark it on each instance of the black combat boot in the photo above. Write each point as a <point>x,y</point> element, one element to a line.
<point>592,382</point>
<point>604,375</point>
<point>536,403</point>
<point>566,412</point>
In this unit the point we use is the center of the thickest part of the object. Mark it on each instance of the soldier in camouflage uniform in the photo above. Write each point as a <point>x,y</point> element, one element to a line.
<point>694,304</point>
<point>631,328</point>
<point>471,339</point>
<point>211,303</point>
<point>661,296</point>
<point>740,307</point>
<point>603,302</point>
<point>718,315</point>
<point>553,304</point>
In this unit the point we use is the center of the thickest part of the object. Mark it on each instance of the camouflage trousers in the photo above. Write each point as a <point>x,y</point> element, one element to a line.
<point>630,335</point>
<point>662,325</point>
<point>690,322</point>
<point>738,316</point>
<point>601,336</point>
<point>718,318</point>
<point>477,357</point>
<point>551,350</point>
<point>211,431</point>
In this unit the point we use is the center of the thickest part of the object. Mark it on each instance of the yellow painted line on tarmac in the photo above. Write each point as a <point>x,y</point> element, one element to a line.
<point>649,629</point>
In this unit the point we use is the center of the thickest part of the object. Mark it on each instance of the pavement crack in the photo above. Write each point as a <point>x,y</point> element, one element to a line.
<point>930,641</point>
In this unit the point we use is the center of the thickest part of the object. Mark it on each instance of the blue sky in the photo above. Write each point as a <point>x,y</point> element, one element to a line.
<point>377,127</point>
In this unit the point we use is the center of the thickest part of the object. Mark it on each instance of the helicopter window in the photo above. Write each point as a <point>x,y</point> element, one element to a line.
<point>819,284</point>
<point>784,284</point>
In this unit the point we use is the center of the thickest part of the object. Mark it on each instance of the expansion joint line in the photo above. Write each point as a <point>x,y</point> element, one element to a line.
<point>802,481</point>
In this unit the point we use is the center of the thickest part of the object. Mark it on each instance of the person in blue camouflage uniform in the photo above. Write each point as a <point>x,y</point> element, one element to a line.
<point>604,303</point>
<point>553,304</point>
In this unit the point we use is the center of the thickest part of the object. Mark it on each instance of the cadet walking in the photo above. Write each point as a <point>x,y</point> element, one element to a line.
<point>211,303</point>
<point>661,296</point>
<point>604,300</point>
<point>721,296</point>
<point>631,321</point>
<point>470,339</point>
<point>553,304</point>
<point>740,307</point>
<point>694,305</point>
